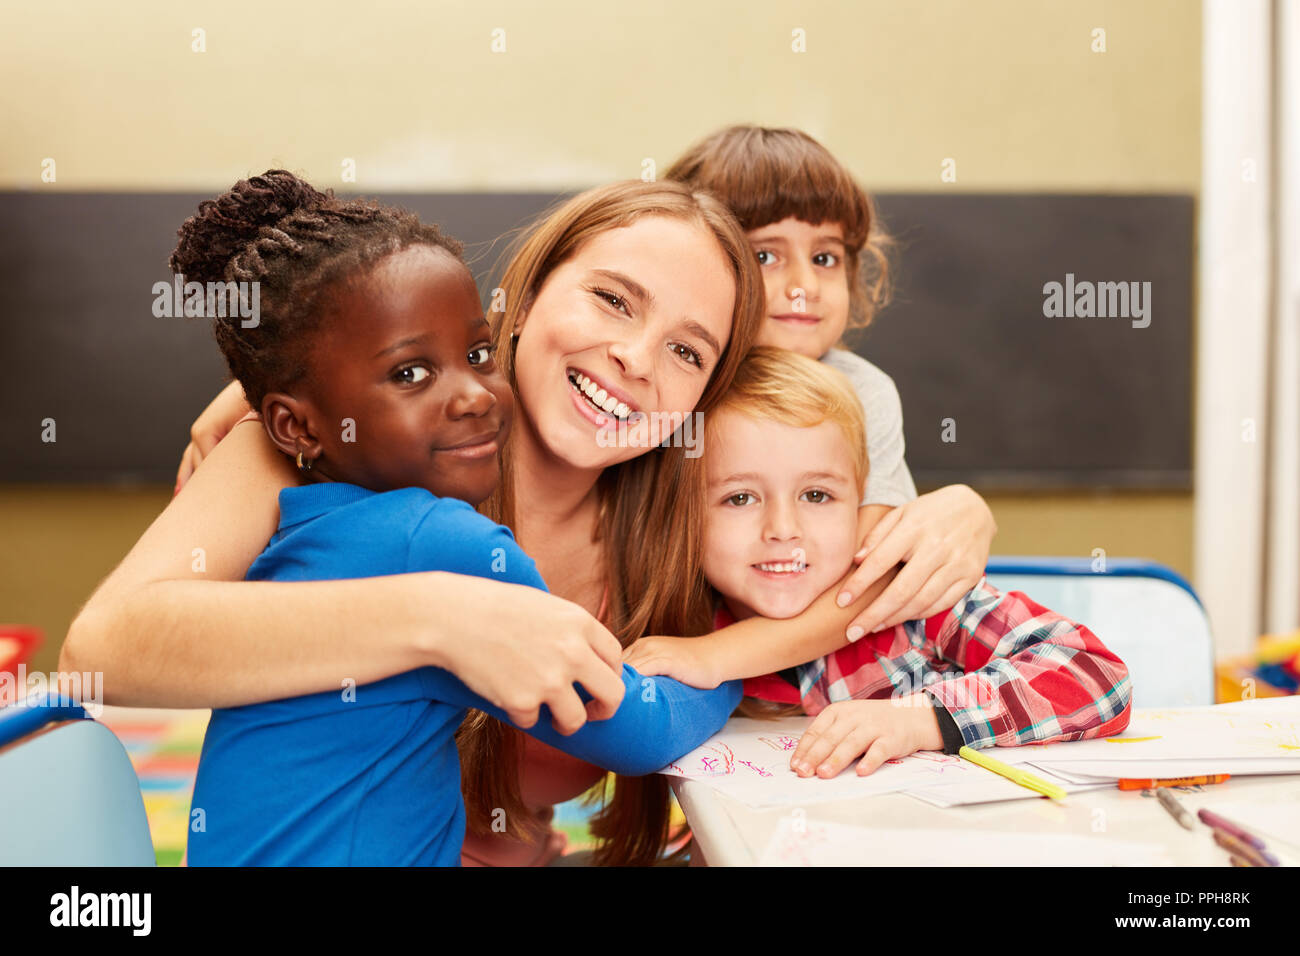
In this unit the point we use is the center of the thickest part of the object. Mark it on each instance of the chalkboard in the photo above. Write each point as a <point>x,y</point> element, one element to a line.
<point>1033,401</point>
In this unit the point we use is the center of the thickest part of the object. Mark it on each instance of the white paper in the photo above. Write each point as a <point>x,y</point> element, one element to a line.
<point>996,789</point>
<point>801,842</point>
<point>1205,739</point>
<point>749,761</point>
<point>1088,771</point>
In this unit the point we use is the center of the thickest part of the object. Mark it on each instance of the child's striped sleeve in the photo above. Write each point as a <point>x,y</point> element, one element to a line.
<point>1031,675</point>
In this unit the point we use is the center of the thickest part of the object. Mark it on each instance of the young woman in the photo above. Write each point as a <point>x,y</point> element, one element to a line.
<point>649,290</point>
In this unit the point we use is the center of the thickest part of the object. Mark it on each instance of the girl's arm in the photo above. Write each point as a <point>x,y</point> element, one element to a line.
<point>659,721</point>
<point>212,425</point>
<point>174,626</point>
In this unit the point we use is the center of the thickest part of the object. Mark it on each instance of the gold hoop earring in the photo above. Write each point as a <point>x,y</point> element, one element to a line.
<point>303,466</point>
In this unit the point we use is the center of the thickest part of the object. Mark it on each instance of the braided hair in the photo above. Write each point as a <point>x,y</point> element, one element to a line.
<point>297,243</point>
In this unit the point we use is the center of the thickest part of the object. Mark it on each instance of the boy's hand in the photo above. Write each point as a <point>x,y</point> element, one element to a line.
<point>682,658</point>
<point>881,729</point>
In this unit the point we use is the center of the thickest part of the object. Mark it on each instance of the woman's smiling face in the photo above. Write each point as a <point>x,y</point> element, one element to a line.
<point>637,319</point>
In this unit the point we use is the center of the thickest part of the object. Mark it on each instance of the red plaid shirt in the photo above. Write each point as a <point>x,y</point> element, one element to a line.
<point>1008,670</point>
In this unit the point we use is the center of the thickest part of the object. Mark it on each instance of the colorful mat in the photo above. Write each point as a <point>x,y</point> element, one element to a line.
<point>164,748</point>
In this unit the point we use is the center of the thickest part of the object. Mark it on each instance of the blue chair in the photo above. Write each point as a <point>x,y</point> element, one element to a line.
<point>68,793</point>
<point>1141,610</point>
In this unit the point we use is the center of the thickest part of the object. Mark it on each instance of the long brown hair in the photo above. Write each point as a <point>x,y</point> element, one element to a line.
<point>646,528</point>
<point>765,175</point>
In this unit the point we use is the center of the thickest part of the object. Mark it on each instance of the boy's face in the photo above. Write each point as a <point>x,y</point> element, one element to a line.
<point>807,285</point>
<point>780,513</point>
<point>407,360</point>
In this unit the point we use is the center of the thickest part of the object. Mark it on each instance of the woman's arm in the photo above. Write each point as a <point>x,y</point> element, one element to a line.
<point>174,626</point>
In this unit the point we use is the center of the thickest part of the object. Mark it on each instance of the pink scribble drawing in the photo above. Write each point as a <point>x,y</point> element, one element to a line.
<point>757,768</point>
<point>935,757</point>
<point>718,766</point>
<point>938,761</point>
<point>781,743</point>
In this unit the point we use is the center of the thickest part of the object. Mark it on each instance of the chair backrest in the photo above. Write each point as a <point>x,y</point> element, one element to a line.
<point>70,796</point>
<point>1143,611</point>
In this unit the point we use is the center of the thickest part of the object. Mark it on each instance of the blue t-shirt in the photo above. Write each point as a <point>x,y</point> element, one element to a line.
<point>369,775</point>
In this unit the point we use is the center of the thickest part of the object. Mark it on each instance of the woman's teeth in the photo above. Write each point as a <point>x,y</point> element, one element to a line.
<point>597,397</point>
<point>782,567</point>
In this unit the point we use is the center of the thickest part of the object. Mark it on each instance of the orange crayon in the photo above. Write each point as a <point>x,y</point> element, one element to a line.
<point>1172,782</point>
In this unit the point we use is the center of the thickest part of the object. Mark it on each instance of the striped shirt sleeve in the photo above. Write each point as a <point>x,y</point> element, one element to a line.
<point>1024,674</point>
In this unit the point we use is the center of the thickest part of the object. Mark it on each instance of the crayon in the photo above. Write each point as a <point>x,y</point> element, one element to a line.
<point>1239,848</point>
<point>1176,809</point>
<point>1173,782</point>
<point>1219,823</point>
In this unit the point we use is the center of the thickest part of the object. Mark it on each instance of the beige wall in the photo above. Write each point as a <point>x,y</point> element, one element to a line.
<point>58,543</point>
<point>584,93</point>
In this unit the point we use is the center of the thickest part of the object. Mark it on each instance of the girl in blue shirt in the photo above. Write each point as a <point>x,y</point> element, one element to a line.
<point>372,366</point>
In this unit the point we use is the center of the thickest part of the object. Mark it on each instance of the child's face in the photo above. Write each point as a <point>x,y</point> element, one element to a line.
<point>641,312</point>
<point>807,285</point>
<point>781,513</point>
<point>407,359</point>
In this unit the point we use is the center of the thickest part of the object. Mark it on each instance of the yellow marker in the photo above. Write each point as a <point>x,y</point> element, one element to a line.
<point>1014,774</point>
<point>1129,740</point>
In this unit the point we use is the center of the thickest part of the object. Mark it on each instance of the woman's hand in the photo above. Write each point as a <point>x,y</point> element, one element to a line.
<point>683,659</point>
<point>876,730</point>
<point>212,425</point>
<point>943,539</point>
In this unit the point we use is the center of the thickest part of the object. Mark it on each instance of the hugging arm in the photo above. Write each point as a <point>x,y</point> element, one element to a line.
<point>658,721</point>
<point>175,627</point>
<point>942,542</point>
<point>759,645</point>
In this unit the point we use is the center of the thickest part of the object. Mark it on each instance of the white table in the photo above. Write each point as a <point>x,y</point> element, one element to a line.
<point>730,833</point>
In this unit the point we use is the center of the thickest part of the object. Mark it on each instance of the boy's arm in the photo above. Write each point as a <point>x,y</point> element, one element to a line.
<point>1032,676</point>
<point>759,645</point>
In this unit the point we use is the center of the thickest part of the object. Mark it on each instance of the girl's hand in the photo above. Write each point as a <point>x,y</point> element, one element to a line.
<point>943,539</point>
<point>685,659</point>
<point>881,729</point>
<point>529,651</point>
<point>212,425</point>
